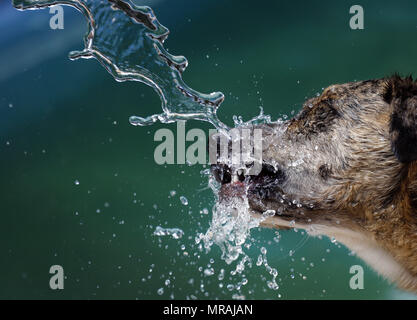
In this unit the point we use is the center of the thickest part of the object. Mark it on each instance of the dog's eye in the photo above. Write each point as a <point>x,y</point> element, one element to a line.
<point>325,171</point>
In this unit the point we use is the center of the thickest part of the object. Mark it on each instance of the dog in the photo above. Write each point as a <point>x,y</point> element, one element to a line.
<point>344,167</point>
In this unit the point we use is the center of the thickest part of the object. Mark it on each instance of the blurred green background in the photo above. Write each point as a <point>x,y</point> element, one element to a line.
<point>63,121</point>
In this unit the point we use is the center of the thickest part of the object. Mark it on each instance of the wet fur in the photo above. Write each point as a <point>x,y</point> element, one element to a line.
<point>355,173</point>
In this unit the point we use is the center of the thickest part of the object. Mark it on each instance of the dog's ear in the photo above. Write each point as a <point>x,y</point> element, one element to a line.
<point>401,94</point>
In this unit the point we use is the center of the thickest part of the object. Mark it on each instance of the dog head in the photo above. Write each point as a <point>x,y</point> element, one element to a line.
<point>343,165</point>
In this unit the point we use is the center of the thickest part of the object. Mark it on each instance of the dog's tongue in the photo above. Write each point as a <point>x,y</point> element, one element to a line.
<point>231,190</point>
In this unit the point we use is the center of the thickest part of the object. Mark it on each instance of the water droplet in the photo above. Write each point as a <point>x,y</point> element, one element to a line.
<point>269,213</point>
<point>173,232</point>
<point>208,272</point>
<point>221,275</point>
<point>259,261</point>
<point>184,200</point>
<point>272,285</point>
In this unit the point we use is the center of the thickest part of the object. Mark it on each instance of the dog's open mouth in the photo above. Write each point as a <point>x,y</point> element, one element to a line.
<point>261,188</point>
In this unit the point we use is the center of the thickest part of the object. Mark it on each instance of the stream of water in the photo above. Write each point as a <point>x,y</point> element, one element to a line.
<point>128,41</point>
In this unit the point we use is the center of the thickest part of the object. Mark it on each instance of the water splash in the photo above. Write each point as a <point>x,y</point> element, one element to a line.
<point>230,227</point>
<point>173,232</point>
<point>128,41</point>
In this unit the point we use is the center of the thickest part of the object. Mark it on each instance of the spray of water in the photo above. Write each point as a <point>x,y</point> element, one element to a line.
<point>128,41</point>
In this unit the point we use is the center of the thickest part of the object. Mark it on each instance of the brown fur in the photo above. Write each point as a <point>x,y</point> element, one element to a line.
<point>355,147</point>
